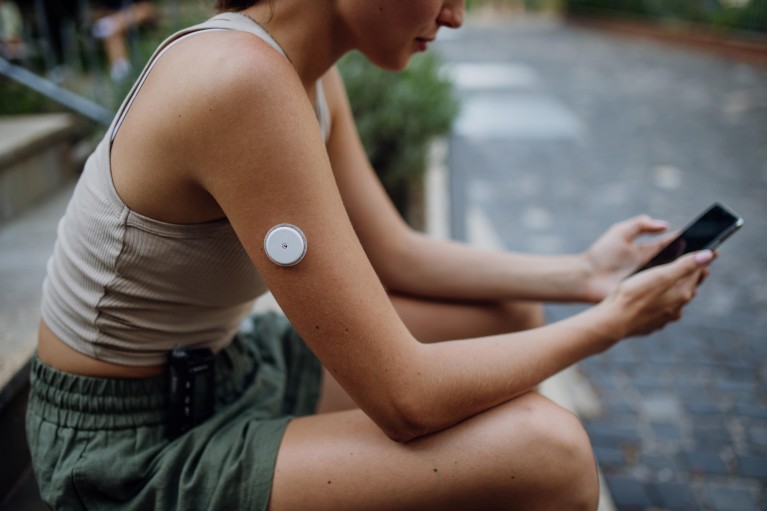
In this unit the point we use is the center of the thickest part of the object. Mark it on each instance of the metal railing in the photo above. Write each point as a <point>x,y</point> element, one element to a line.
<point>82,53</point>
<point>54,92</point>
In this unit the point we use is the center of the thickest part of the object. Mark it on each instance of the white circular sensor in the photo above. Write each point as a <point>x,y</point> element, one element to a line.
<point>285,245</point>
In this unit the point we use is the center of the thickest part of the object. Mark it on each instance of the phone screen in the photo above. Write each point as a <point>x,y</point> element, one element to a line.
<point>706,232</point>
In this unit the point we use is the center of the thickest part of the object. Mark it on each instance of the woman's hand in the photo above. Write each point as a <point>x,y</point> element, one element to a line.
<point>651,299</point>
<point>616,254</point>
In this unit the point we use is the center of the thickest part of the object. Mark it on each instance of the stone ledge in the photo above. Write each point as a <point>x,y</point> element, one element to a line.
<point>38,155</point>
<point>22,136</point>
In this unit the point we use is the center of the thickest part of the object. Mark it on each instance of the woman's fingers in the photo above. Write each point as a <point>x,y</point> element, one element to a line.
<point>642,224</point>
<point>661,293</point>
<point>687,264</point>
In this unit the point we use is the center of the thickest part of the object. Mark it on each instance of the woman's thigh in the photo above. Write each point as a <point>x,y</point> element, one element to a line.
<point>440,320</point>
<point>525,454</point>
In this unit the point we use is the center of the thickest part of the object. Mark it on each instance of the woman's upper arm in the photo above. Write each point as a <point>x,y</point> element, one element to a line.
<point>379,226</point>
<point>265,163</point>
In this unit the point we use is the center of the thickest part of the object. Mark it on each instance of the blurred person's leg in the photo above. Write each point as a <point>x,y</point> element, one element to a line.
<point>112,29</point>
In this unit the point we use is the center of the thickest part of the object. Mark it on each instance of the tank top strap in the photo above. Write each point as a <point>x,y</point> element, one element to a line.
<point>222,21</point>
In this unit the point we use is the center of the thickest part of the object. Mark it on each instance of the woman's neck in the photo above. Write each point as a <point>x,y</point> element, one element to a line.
<point>308,32</point>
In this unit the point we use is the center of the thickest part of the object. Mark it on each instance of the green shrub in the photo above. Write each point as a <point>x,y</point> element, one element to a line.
<point>397,115</point>
<point>15,99</point>
<point>751,16</point>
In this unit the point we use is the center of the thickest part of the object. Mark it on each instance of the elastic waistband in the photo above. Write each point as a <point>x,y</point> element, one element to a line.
<point>86,402</point>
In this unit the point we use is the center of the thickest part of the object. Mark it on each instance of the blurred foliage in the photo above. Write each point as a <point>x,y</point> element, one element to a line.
<point>748,15</point>
<point>525,5</point>
<point>84,70</point>
<point>398,115</point>
<point>15,99</point>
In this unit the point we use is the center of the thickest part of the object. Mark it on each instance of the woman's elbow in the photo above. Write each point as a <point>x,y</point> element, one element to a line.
<point>406,419</point>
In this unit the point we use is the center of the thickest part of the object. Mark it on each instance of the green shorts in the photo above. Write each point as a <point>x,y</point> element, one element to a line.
<point>100,443</point>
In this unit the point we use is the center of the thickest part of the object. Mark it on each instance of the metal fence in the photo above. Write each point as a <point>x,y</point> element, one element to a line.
<point>90,48</point>
<point>746,16</point>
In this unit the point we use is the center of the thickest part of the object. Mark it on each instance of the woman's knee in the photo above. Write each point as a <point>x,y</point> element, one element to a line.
<point>566,468</point>
<point>521,315</point>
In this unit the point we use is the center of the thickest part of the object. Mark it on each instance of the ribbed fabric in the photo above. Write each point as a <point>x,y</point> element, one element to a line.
<point>126,288</point>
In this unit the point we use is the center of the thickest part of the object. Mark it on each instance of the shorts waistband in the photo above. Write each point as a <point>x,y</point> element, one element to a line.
<point>86,402</point>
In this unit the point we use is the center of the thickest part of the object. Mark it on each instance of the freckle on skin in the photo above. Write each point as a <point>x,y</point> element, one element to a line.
<point>328,482</point>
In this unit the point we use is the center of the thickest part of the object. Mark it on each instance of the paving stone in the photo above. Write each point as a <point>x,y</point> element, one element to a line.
<point>703,408</point>
<point>620,407</point>
<point>711,436</point>
<point>758,435</point>
<point>613,435</point>
<point>628,494</point>
<point>648,384</point>
<point>753,466</point>
<point>658,464</point>
<point>667,432</point>
<point>703,462</point>
<point>739,386</point>
<point>674,496</point>
<point>754,411</point>
<point>724,498</point>
<point>609,457</point>
<point>661,407</point>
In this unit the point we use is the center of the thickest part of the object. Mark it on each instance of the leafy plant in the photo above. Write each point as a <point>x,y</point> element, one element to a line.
<point>15,99</point>
<point>397,115</point>
<point>750,16</point>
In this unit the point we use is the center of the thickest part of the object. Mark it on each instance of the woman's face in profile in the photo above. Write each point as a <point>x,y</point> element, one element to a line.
<point>389,32</point>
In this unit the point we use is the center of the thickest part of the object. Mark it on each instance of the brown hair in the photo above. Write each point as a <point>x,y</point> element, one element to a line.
<point>234,5</point>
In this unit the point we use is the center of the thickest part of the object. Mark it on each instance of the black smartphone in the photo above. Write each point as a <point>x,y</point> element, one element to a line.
<point>708,231</point>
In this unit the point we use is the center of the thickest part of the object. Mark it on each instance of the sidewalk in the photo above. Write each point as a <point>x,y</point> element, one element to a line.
<point>565,131</point>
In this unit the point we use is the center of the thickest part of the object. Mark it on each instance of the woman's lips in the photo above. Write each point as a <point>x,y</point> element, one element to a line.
<point>423,43</point>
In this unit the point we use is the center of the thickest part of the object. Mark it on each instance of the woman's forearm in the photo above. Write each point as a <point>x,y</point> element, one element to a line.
<point>448,382</point>
<point>445,269</point>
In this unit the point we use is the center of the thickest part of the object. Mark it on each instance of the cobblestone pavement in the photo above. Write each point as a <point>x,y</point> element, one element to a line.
<point>564,131</point>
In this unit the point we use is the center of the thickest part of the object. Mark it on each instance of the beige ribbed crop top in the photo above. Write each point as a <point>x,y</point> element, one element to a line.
<point>125,288</point>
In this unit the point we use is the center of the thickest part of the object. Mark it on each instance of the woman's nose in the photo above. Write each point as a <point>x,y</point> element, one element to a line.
<point>452,13</point>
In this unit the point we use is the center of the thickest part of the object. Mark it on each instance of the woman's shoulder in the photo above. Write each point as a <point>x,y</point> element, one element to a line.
<point>231,62</point>
<point>212,84</point>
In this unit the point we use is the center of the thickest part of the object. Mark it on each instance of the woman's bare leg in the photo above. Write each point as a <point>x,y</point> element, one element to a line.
<point>434,320</point>
<point>525,454</point>
<point>528,453</point>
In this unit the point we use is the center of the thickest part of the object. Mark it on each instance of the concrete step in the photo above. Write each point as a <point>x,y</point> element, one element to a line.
<point>38,154</point>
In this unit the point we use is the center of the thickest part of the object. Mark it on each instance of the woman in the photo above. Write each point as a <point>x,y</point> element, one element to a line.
<point>235,130</point>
